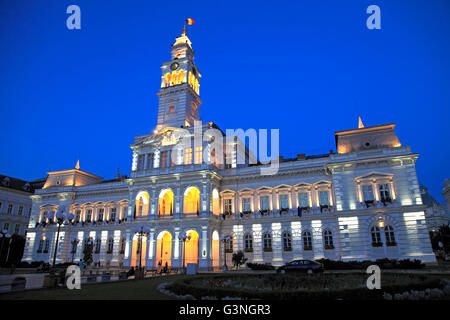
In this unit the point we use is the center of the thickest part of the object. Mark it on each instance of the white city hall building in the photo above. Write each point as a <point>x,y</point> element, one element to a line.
<point>362,202</point>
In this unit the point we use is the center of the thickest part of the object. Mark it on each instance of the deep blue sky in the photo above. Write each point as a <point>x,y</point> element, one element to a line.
<point>308,68</point>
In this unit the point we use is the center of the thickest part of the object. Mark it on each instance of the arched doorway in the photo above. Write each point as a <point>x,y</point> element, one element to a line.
<point>135,253</point>
<point>142,203</point>
<point>164,249</point>
<point>215,249</point>
<point>165,205</point>
<point>191,247</point>
<point>191,201</point>
<point>215,202</point>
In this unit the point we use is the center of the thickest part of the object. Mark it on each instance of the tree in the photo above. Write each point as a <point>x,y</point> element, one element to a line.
<point>238,259</point>
<point>443,236</point>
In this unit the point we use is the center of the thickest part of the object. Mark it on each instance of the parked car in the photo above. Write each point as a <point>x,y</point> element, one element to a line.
<point>308,266</point>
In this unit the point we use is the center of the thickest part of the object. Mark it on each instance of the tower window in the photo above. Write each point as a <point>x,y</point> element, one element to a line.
<point>171,109</point>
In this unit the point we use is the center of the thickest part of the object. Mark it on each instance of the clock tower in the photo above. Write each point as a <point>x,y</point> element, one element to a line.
<point>179,96</point>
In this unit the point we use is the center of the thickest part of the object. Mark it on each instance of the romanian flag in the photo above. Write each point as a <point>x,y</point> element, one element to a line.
<point>189,21</point>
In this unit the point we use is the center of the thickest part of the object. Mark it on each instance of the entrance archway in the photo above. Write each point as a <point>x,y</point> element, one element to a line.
<point>191,201</point>
<point>164,249</point>
<point>215,249</point>
<point>135,251</point>
<point>191,247</point>
<point>165,206</point>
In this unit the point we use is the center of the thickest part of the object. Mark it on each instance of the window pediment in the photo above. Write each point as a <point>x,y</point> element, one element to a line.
<point>374,176</point>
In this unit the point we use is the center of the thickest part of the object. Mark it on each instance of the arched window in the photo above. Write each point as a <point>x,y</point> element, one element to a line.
<point>248,242</point>
<point>167,78</point>
<point>267,242</point>
<point>180,77</point>
<point>390,236</point>
<point>328,239</point>
<point>376,237</point>
<point>287,241</point>
<point>174,78</point>
<point>166,202</point>
<point>191,200</point>
<point>307,243</point>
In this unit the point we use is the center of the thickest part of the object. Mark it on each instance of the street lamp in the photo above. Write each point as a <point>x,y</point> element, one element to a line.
<point>142,231</point>
<point>183,237</point>
<point>74,244</point>
<point>4,234</point>
<point>60,219</point>
<point>225,239</point>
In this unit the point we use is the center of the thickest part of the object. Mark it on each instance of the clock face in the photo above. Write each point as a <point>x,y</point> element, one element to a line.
<point>174,66</point>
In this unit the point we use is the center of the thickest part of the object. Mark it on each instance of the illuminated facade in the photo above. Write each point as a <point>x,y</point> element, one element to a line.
<point>362,202</point>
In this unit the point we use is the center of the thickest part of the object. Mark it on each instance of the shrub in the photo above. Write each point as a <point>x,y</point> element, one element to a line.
<point>260,266</point>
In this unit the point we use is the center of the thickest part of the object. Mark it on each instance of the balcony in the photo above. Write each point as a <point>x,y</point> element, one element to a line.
<point>301,212</point>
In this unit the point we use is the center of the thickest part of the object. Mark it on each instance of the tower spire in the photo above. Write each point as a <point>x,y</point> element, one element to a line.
<point>77,166</point>
<point>360,123</point>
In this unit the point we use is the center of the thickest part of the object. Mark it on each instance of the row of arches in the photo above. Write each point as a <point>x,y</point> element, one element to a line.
<point>164,249</point>
<point>178,77</point>
<point>191,202</point>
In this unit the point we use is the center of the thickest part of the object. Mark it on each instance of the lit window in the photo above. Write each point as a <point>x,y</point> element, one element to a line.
<point>227,205</point>
<point>303,200</point>
<point>246,206</point>
<point>323,198</point>
<point>198,154</point>
<point>141,205</point>
<point>284,201</point>
<point>188,156</point>
<point>171,109</point>
<point>164,157</point>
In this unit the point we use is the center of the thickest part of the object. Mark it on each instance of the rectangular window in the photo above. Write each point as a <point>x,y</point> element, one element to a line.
<point>98,244</point>
<point>20,211</point>
<point>6,227</point>
<point>187,156</point>
<point>246,206</point>
<point>41,245</point>
<point>10,206</point>
<point>100,214</point>
<point>265,203</point>
<point>47,246</point>
<point>323,198</point>
<point>303,200</point>
<point>198,155</point>
<point>77,215</point>
<point>112,215</point>
<point>89,215</point>
<point>384,192</point>
<point>17,229</point>
<point>110,245</point>
<point>164,157</point>
<point>284,201</point>
<point>140,162</point>
<point>149,161</point>
<point>227,205</point>
<point>124,212</point>
<point>367,193</point>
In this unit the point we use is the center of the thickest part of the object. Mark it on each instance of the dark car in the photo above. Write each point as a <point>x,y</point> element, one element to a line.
<point>307,266</point>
